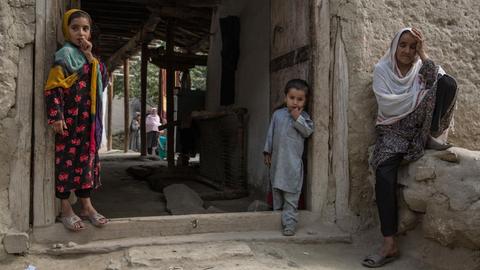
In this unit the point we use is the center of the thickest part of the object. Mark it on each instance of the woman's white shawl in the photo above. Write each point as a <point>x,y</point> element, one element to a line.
<point>397,96</point>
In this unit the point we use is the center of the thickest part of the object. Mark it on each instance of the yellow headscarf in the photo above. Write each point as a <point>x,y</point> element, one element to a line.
<point>66,17</point>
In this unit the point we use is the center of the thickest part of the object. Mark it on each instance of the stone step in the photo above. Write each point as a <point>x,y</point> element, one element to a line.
<point>168,225</point>
<point>184,225</point>
<point>320,234</point>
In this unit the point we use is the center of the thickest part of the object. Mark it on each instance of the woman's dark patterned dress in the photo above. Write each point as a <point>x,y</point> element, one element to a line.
<point>409,135</point>
<point>75,167</point>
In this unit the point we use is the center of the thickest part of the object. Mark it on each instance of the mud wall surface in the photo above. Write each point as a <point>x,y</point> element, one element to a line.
<point>17,28</point>
<point>366,28</point>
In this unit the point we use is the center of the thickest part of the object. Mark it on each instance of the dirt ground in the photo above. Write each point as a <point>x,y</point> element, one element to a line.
<point>121,195</point>
<point>417,254</point>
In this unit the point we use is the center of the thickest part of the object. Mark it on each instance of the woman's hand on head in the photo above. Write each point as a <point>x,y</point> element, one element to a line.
<point>86,48</point>
<point>59,126</point>
<point>420,44</point>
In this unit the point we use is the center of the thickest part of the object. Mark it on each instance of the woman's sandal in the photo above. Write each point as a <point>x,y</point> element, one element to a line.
<point>95,219</point>
<point>69,222</point>
<point>377,260</point>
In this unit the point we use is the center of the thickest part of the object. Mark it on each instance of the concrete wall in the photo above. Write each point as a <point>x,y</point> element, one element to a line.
<point>17,26</point>
<point>367,27</point>
<point>252,87</point>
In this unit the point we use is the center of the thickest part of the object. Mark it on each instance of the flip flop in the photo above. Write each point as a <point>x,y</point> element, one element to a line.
<point>69,222</point>
<point>377,260</point>
<point>95,219</point>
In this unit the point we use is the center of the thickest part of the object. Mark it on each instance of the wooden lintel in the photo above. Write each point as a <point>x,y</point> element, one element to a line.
<point>179,60</point>
<point>181,13</point>
<point>178,67</point>
<point>186,3</point>
<point>145,35</point>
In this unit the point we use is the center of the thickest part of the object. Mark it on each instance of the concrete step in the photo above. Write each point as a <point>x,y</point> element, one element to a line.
<point>321,234</point>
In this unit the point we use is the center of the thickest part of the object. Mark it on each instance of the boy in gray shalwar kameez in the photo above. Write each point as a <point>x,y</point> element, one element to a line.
<point>283,151</point>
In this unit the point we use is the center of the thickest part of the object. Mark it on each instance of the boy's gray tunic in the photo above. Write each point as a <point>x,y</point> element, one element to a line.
<point>285,140</point>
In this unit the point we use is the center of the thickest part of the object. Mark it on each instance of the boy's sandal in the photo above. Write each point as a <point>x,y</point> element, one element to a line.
<point>69,222</point>
<point>377,260</point>
<point>96,219</point>
<point>288,232</point>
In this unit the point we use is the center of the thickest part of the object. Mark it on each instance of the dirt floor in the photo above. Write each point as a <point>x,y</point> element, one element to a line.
<point>123,195</point>
<point>417,254</point>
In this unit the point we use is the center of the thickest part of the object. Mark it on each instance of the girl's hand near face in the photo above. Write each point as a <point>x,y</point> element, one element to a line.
<point>59,126</point>
<point>86,48</point>
<point>420,44</point>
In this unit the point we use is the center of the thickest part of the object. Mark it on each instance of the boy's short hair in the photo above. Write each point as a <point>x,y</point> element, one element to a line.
<point>298,84</point>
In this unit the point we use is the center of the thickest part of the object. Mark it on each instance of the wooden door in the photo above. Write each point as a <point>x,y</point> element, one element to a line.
<point>290,45</point>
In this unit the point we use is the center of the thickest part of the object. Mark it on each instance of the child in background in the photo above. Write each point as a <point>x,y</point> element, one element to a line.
<point>73,96</point>
<point>289,127</point>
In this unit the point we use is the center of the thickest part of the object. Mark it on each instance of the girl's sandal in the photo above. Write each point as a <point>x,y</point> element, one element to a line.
<point>96,219</point>
<point>69,223</point>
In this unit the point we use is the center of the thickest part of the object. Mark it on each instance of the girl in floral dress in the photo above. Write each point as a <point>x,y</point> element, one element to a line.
<point>74,109</point>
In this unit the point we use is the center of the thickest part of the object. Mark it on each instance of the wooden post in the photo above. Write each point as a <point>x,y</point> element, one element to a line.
<point>19,189</point>
<point>160,93</point>
<point>44,140</point>
<point>143,99</point>
<point>126,104</point>
<point>318,154</point>
<point>109,113</point>
<point>170,100</point>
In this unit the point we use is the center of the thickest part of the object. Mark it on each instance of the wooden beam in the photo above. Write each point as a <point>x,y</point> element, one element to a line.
<point>126,104</point>
<point>318,153</point>
<point>170,98</point>
<point>109,112</point>
<point>144,35</point>
<point>160,93</point>
<point>185,3</point>
<point>143,99</point>
<point>201,44</point>
<point>179,60</point>
<point>180,12</point>
<point>44,140</point>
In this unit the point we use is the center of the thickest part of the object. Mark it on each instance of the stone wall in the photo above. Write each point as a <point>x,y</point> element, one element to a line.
<point>443,190</point>
<point>17,28</point>
<point>367,27</point>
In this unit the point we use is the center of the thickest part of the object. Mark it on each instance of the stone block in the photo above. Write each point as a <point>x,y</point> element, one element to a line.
<point>416,197</point>
<point>424,173</point>
<point>452,228</point>
<point>448,156</point>
<point>16,243</point>
<point>182,200</point>
<point>462,192</point>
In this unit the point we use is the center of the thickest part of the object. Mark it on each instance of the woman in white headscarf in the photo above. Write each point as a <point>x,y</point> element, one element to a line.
<point>152,123</point>
<point>415,106</point>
